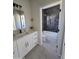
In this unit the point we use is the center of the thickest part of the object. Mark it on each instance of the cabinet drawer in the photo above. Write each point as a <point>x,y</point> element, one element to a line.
<point>35,33</point>
<point>35,37</point>
<point>34,40</point>
<point>33,43</point>
<point>15,51</point>
<point>23,46</point>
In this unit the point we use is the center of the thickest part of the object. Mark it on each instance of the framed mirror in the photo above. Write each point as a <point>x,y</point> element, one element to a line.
<point>18,20</point>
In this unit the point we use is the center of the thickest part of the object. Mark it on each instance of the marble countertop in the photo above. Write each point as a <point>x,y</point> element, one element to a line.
<point>17,36</point>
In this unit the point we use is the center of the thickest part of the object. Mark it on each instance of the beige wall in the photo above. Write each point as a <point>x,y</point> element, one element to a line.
<point>27,10</point>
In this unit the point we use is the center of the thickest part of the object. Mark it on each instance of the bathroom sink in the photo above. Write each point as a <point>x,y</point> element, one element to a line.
<point>20,35</point>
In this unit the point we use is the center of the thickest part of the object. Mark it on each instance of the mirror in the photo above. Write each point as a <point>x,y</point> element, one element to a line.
<point>18,20</point>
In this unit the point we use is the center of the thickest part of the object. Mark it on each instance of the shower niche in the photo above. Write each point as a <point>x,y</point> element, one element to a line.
<point>50,19</point>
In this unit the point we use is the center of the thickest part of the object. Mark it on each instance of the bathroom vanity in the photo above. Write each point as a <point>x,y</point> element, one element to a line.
<point>23,43</point>
<point>24,36</point>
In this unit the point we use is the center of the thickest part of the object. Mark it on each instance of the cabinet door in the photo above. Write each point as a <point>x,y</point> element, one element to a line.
<point>34,40</point>
<point>35,37</point>
<point>26,43</point>
<point>15,52</point>
<point>31,45</point>
<point>23,46</point>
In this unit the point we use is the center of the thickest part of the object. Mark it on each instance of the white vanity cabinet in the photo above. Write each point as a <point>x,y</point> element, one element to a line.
<point>33,40</point>
<point>23,46</point>
<point>26,43</point>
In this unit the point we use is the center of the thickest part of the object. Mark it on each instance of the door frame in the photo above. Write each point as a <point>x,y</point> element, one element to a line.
<point>45,7</point>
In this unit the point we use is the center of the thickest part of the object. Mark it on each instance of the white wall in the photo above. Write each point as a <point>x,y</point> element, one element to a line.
<point>61,27</point>
<point>27,10</point>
